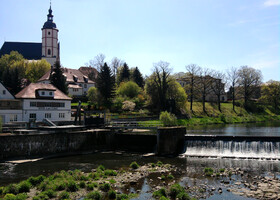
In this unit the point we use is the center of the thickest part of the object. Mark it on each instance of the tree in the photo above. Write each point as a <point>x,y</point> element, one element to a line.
<point>128,89</point>
<point>94,96</point>
<point>115,64</point>
<point>249,80</point>
<point>204,85</point>
<point>124,73</point>
<point>105,84</point>
<point>36,69</point>
<point>97,62</point>
<point>57,78</point>
<point>137,77</point>
<point>232,76</point>
<point>218,86</point>
<point>193,72</point>
<point>271,93</point>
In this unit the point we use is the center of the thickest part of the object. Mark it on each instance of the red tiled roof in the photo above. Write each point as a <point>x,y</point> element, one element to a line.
<point>29,92</point>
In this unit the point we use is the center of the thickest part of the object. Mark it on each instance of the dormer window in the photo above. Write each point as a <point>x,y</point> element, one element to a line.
<point>75,78</point>
<point>50,93</point>
<point>43,93</point>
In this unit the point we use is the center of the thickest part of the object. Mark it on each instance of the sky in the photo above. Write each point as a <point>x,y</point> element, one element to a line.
<point>215,34</point>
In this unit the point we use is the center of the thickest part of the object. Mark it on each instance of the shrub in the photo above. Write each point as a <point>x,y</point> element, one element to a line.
<point>72,186</point>
<point>170,176</point>
<point>24,186</point>
<point>82,184</point>
<point>175,190</point>
<point>159,163</point>
<point>222,170</point>
<point>122,196</point>
<point>105,187</point>
<point>112,194</point>
<point>159,193</point>
<point>1,190</point>
<point>10,197</point>
<point>183,196</point>
<point>94,195</point>
<point>61,185</point>
<point>168,119</point>
<point>11,189</point>
<point>112,181</point>
<point>153,165</point>
<point>91,186</point>
<point>208,171</point>
<point>101,167</point>
<point>163,198</point>
<point>64,195</point>
<point>36,180</point>
<point>41,196</point>
<point>134,165</point>
<point>109,172</point>
<point>128,105</point>
<point>50,193</point>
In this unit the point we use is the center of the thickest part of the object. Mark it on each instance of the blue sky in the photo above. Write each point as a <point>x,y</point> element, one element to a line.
<point>216,34</point>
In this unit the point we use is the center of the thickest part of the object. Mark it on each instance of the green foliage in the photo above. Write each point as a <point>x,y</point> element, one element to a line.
<point>105,84</point>
<point>63,195</point>
<point>36,69</point>
<point>159,193</point>
<point>128,89</point>
<point>10,197</point>
<point>175,189</point>
<point>122,196</point>
<point>12,189</point>
<point>94,96</point>
<point>112,194</point>
<point>208,171</point>
<point>183,196</point>
<point>137,77</point>
<point>50,193</point>
<point>124,74</point>
<point>159,163</point>
<point>168,119</point>
<point>105,187</point>
<point>163,198</point>
<point>72,186</point>
<point>109,172</point>
<point>222,170</point>
<point>112,181</point>
<point>94,195</point>
<point>153,165</point>
<point>170,176</point>
<point>82,184</point>
<point>57,78</point>
<point>101,167</point>
<point>91,186</point>
<point>24,186</point>
<point>134,165</point>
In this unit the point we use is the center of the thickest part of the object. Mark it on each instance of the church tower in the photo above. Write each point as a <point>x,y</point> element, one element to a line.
<point>50,45</point>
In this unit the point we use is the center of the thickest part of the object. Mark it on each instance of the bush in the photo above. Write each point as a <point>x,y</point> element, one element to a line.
<point>61,185</point>
<point>168,119</point>
<point>94,195</point>
<point>64,195</point>
<point>36,180</point>
<point>1,190</point>
<point>72,186</point>
<point>11,189</point>
<point>105,187</point>
<point>159,163</point>
<point>112,194</point>
<point>159,193</point>
<point>183,196</point>
<point>170,176</point>
<point>134,165</point>
<point>82,184</point>
<point>208,171</point>
<point>24,186</point>
<point>163,198</point>
<point>10,197</point>
<point>128,105</point>
<point>109,172</point>
<point>222,170</point>
<point>50,193</point>
<point>101,167</point>
<point>122,196</point>
<point>175,190</point>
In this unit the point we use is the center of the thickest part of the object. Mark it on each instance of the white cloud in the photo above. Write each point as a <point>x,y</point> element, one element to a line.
<point>269,3</point>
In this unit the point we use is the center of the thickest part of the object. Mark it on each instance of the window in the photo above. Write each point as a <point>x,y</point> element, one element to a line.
<point>61,115</point>
<point>49,52</point>
<point>4,91</point>
<point>32,116</point>
<point>85,85</point>
<point>48,115</point>
<point>33,104</point>
<point>13,118</point>
<point>75,89</point>
<point>50,93</point>
<point>49,33</point>
<point>43,93</point>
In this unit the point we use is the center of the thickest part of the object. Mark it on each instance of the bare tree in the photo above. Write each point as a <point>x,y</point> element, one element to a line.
<point>162,73</point>
<point>192,77</point>
<point>218,86</point>
<point>232,76</point>
<point>97,62</point>
<point>249,80</point>
<point>204,85</point>
<point>115,64</point>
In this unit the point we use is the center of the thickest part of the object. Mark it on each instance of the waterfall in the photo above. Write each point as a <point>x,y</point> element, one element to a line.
<point>233,149</point>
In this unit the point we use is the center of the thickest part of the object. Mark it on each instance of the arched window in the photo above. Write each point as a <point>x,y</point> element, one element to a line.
<point>49,52</point>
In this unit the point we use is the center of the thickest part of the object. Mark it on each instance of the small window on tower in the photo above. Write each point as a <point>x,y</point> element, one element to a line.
<point>49,52</point>
<point>49,33</point>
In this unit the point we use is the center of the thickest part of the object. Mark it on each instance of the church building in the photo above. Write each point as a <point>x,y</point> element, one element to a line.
<point>48,49</point>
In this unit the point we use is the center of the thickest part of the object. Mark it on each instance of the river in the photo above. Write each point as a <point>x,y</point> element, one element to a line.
<point>191,166</point>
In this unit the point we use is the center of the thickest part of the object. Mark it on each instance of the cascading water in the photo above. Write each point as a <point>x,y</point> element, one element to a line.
<point>233,149</point>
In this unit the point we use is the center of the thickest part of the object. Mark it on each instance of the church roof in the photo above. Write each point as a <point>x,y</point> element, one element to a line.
<point>29,50</point>
<point>49,24</point>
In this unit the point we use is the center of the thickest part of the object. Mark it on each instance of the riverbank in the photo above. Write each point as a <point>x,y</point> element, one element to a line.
<point>149,181</point>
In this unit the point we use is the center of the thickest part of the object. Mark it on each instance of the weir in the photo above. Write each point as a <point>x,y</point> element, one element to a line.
<point>247,147</point>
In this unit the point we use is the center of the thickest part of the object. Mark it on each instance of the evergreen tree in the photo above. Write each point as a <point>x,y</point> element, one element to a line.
<point>137,77</point>
<point>57,78</point>
<point>106,85</point>
<point>16,81</point>
<point>124,76</point>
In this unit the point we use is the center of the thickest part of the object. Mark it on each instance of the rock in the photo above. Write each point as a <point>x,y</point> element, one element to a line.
<point>220,190</point>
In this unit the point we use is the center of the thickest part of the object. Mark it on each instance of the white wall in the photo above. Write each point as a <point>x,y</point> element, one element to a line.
<point>4,93</point>
<point>41,111</point>
<point>8,115</point>
<point>75,93</point>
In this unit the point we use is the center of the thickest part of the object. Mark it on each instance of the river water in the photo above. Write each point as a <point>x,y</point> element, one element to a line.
<point>192,166</point>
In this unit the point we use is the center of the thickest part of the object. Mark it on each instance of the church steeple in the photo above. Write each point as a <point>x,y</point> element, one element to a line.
<point>49,23</point>
<point>50,16</point>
